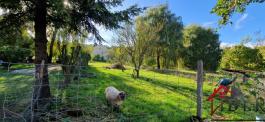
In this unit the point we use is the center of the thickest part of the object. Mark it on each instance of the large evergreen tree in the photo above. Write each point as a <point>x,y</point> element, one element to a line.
<point>71,14</point>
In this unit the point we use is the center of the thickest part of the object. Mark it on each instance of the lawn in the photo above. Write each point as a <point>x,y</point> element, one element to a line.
<point>153,97</point>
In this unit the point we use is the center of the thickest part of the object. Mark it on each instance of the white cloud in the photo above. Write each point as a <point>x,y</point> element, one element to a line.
<point>239,22</point>
<point>225,44</point>
<point>209,24</point>
<point>251,45</point>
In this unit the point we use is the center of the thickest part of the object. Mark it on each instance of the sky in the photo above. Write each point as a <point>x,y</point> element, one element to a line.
<point>198,12</point>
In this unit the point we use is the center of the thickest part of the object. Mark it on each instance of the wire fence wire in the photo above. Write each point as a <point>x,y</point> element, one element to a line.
<point>82,100</point>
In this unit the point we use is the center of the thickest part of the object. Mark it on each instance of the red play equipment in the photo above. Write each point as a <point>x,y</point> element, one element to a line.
<point>222,90</point>
<point>224,87</point>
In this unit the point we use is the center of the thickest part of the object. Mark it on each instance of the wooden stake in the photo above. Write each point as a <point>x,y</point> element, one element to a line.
<point>199,88</point>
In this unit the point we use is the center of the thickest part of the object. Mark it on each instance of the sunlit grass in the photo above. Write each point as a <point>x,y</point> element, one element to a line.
<point>152,97</point>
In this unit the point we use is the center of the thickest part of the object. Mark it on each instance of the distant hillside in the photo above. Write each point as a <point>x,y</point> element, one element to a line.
<point>101,50</point>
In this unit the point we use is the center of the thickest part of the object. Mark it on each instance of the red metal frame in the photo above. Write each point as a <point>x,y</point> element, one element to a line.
<point>222,91</point>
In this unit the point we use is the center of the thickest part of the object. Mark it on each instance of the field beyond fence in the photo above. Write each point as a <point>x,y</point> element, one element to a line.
<point>156,96</point>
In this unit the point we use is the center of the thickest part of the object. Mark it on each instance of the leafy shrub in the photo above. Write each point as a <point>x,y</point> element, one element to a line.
<point>14,54</point>
<point>242,57</point>
<point>150,61</point>
<point>99,58</point>
<point>85,58</point>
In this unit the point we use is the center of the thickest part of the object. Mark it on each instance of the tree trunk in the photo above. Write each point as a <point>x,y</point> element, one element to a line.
<point>41,91</point>
<point>67,75</point>
<point>137,73</point>
<point>51,45</point>
<point>158,61</point>
<point>70,64</point>
<point>65,66</point>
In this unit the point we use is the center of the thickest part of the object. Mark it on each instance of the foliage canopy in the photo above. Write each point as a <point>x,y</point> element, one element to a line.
<point>242,57</point>
<point>201,44</point>
<point>226,8</point>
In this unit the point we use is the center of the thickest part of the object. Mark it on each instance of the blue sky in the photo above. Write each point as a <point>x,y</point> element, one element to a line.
<point>198,12</point>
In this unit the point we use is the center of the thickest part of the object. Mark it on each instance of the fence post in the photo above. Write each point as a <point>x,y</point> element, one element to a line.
<point>199,88</point>
<point>36,87</point>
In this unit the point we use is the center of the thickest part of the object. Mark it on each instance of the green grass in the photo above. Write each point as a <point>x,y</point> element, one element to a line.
<point>22,66</point>
<point>152,97</point>
<point>18,66</point>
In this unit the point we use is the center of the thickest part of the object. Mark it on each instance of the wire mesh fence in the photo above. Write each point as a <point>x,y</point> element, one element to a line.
<point>83,99</point>
<point>155,96</point>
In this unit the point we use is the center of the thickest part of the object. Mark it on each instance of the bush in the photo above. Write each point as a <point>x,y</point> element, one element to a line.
<point>150,61</point>
<point>14,54</point>
<point>85,58</point>
<point>242,57</point>
<point>99,58</point>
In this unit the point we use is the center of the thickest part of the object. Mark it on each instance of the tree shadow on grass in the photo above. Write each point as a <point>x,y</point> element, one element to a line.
<point>15,94</point>
<point>183,90</point>
<point>187,91</point>
<point>88,94</point>
<point>135,108</point>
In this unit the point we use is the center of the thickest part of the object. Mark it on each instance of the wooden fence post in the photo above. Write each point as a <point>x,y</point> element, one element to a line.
<point>199,88</point>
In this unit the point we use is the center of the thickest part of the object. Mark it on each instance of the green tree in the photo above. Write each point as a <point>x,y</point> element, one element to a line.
<point>260,43</point>
<point>261,50</point>
<point>226,8</point>
<point>16,47</point>
<point>51,44</point>
<point>99,58</point>
<point>201,44</point>
<point>243,58</point>
<point>85,58</point>
<point>73,14</point>
<point>86,54</point>
<point>134,44</point>
<point>166,34</point>
<point>70,54</point>
<point>14,54</point>
<point>116,54</point>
